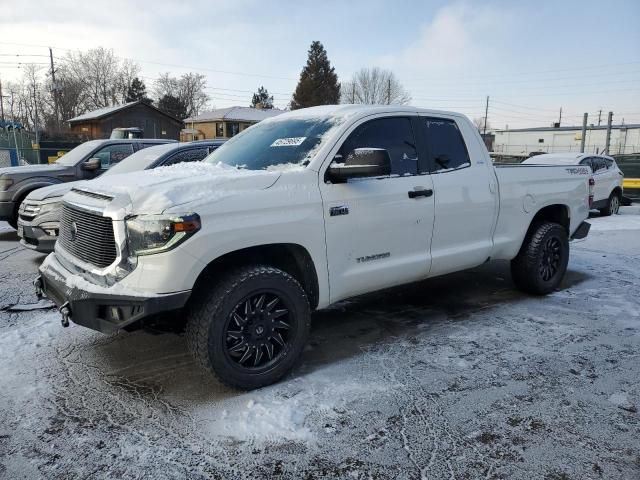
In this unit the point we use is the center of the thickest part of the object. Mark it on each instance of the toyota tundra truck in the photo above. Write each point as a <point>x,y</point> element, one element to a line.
<point>296,213</point>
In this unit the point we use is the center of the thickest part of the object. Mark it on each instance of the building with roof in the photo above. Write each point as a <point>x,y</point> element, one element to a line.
<point>224,122</point>
<point>99,123</point>
<point>625,139</point>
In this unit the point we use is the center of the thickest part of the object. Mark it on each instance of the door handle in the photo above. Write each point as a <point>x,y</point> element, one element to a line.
<point>420,193</point>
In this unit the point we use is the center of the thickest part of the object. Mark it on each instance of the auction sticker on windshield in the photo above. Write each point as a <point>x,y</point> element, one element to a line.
<point>288,142</point>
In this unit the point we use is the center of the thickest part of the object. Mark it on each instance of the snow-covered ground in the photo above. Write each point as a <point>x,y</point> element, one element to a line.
<point>457,377</point>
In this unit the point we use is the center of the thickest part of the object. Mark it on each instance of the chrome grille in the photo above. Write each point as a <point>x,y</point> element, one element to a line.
<point>91,239</point>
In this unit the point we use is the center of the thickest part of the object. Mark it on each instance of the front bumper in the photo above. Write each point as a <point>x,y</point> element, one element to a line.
<point>35,238</point>
<point>7,209</point>
<point>105,309</point>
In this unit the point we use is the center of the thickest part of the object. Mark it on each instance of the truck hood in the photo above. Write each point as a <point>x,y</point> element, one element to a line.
<point>57,190</point>
<point>18,173</point>
<point>182,185</point>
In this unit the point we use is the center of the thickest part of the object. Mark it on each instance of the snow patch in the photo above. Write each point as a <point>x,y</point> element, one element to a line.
<point>624,221</point>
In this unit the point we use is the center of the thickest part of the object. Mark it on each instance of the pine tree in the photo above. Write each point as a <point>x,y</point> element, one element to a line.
<point>318,83</point>
<point>173,106</point>
<point>261,99</point>
<point>137,90</point>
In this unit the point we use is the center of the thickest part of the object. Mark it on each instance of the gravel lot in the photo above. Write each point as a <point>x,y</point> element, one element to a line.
<point>457,377</point>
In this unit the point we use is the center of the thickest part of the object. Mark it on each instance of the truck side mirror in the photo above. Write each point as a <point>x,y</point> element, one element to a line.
<point>91,165</point>
<point>361,162</point>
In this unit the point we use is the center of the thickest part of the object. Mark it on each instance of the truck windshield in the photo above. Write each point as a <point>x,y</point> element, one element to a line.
<point>72,157</point>
<point>273,143</point>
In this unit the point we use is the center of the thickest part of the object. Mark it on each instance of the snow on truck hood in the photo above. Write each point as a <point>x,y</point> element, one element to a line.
<point>154,191</point>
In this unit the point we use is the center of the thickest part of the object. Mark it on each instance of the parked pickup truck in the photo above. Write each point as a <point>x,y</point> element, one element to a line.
<point>296,213</point>
<point>86,161</point>
<point>39,213</point>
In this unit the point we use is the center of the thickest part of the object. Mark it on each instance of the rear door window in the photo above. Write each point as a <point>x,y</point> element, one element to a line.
<point>191,155</point>
<point>588,163</point>
<point>447,150</point>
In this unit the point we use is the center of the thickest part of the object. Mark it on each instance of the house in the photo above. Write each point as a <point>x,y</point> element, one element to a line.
<point>625,139</point>
<point>223,122</point>
<point>99,123</point>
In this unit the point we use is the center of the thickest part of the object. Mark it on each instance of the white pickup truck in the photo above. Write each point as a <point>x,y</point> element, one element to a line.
<point>296,213</point>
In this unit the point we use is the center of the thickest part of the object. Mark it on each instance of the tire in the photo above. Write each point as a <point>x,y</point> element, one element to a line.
<point>14,223</point>
<point>237,329</point>
<point>613,205</point>
<point>542,261</point>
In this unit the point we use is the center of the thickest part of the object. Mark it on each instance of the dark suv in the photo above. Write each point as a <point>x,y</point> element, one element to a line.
<point>40,212</point>
<point>84,162</point>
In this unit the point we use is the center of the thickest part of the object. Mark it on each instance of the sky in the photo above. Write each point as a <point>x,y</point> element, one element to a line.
<point>530,58</point>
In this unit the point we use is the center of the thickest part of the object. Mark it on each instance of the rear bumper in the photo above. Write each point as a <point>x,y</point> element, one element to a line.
<point>582,231</point>
<point>95,307</point>
<point>36,238</point>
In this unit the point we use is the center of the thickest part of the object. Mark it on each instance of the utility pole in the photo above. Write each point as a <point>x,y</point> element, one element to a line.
<point>54,89</point>
<point>599,116</point>
<point>560,118</point>
<point>486,112</point>
<point>1,103</point>
<point>609,121</point>
<point>584,132</point>
<point>389,92</point>
<point>35,106</point>
<point>353,92</point>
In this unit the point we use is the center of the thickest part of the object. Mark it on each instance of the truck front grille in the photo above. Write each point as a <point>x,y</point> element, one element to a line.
<point>88,236</point>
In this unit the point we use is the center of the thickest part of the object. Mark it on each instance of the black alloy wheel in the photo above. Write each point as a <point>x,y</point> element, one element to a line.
<point>258,331</point>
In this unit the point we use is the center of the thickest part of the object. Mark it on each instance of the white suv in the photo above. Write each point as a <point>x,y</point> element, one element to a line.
<point>607,189</point>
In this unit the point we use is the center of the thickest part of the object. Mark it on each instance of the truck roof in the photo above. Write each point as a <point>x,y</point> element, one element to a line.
<point>348,110</point>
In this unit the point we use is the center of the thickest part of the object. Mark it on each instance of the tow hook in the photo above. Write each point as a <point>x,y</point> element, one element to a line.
<point>65,310</point>
<point>37,283</point>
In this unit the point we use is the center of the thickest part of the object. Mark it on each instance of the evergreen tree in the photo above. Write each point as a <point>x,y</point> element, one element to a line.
<point>137,91</point>
<point>262,99</point>
<point>318,84</point>
<point>173,106</point>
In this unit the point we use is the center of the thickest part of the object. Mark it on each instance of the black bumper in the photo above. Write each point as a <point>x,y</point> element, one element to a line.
<point>103,312</point>
<point>37,239</point>
<point>582,231</point>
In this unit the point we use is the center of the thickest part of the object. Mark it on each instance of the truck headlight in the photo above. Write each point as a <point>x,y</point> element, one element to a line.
<point>149,234</point>
<point>49,207</point>
<point>5,183</point>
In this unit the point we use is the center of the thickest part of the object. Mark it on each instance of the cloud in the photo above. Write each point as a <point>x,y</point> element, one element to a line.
<point>460,37</point>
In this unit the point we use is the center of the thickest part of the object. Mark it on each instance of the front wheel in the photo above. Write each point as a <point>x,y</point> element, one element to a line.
<point>251,328</point>
<point>613,205</point>
<point>542,261</point>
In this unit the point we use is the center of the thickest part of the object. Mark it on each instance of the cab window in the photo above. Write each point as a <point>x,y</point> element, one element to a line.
<point>113,154</point>
<point>394,134</point>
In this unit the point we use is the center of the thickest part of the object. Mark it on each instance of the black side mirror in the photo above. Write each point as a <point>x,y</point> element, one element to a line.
<point>361,162</point>
<point>91,165</point>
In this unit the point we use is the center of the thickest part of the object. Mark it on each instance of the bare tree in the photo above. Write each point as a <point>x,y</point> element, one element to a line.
<point>375,86</point>
<point>189,90</point>
<point>479,123</point>
<point>103,76</point>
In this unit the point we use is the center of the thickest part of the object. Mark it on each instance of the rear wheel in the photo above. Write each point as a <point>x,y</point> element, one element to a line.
<point>613,205</point>
<point>542,261</point>
<point>251,328</point>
